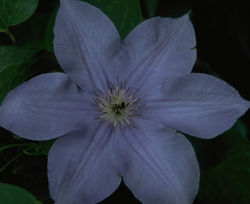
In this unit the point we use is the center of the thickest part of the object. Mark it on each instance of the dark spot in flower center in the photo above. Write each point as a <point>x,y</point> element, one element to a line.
<point>118,105</point>
<point>118,109</point>
<point>123,105</point>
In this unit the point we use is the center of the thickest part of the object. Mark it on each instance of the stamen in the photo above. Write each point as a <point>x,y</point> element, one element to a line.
<point>101,92</point>
<point>133,126</point>
<point>112,86</point>
<point>127,90</point>
<point>135,92</point>
<point>117,80</point>
<point>96,94</point>
<point>118,105</point>
<point>142,105</point>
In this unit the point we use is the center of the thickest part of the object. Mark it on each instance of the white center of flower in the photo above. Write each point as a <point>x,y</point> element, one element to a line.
<point>118,105</point>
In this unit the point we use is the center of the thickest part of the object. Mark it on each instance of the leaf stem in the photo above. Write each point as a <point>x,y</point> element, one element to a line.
<point>10,161</point>
<point>11,36</point>
<point>15,157</point>
<point>16,145</point>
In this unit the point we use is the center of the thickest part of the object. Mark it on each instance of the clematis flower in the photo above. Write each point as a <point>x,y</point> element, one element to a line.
<point>120,108</point>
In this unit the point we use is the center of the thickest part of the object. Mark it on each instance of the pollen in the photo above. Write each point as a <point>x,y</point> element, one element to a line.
<point>118,105</point>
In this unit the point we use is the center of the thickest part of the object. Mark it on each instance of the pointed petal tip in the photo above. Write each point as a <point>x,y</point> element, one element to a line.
<point>165,46</point>
<point>86,43</point>
<point>159,166</point>
<point>45,107</point>
<point>197,104</point>
<point>88,172</point>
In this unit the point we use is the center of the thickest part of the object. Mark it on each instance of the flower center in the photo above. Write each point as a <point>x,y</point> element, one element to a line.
<point>118,105</point>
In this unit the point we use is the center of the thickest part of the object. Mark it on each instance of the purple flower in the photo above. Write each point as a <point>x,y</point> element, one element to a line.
<point>118,108</point>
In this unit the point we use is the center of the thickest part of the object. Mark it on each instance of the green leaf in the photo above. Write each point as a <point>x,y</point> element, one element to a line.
<point>10,194</point>
<point>124,14</point>
<point>228,182</point>
<point>234,178</point>
<point>239,128</point>
<point>14,67</point>
<point>46,145</point>
<point>49,35</point>
<point>151,7</point>
<point>13,12</point>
